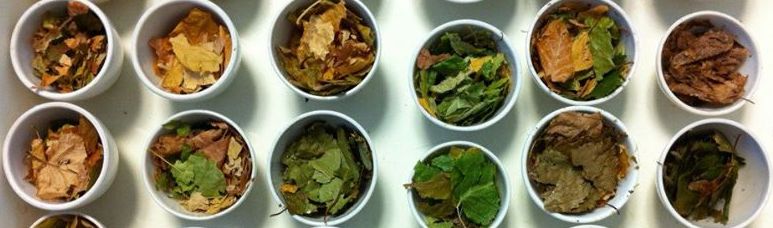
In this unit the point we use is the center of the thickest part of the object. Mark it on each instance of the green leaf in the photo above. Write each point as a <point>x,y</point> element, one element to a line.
<point>426,80</point>
<point>480,203</point>
<point>437,223</point>
<point>328,164</point>
<point>620,55</point>
<point>462,48</point>
<point>438,187</point>
<point>186,151</point>
<point>601,47</point>
<point>184,130</point>
<point>423,172</point>
<point>330,191</point>
<point>490,68</point>
<point>609,84</point>
<point>443,162</point>
<point>298,203</point>
<point>450,66</point>
<point>199,174</point>
<point>171,125</point>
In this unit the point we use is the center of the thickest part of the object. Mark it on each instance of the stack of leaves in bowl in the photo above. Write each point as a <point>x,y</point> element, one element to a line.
<point>206,167</point>
<point>65,221</point>
<point>330,51</point>
<point>194,55</point>
<point>701,170</point>
<point>70,48</point>
<point>462,79</point>
<point>578,53</point>
<point>325,171</point>
<point>65,162</point>
<point>456,188</point>
<point>576,163</point>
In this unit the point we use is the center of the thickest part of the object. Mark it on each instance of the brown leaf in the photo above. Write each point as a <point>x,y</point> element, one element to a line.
<point>426,59</point>
<point>554,49</point>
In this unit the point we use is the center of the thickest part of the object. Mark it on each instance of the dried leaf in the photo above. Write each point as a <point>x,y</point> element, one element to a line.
<point>554,46</point>
<point>581,56</point>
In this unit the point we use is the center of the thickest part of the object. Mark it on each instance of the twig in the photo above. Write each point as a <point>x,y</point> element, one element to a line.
<point>307,10</point>
<point>278,213</point>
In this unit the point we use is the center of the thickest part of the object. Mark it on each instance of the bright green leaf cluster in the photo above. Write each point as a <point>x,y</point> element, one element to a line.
<point>324,170</point>
<point>470,85</point>
<point>198,174</point>
<point>458,181</point>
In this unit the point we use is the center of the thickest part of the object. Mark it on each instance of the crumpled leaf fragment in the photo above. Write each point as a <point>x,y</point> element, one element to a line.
<point>195,58</point>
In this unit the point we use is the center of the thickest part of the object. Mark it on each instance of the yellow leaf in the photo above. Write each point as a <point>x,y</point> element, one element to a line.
<point>193,81</point>
<point>424,103</point>
<point>477,63</point>
<point>173,76</point>
<point>317,37</point>
<point>581,56</point>
<point>195,58</point>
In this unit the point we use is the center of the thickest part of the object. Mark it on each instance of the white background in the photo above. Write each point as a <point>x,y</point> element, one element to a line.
<point>261,105</point>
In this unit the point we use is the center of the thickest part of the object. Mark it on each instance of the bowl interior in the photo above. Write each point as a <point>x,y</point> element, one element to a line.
<point>42,118</point>
<point>750,68</point>
<point>87,217</point>
<point>172,205</point>
<point>501,180</point>
<point>161,21</point>
<point>283,29</point>
<point>23,53</point>
<point>463,27</point>
<point>627,37</point>
<point>625,186</point>
<point>751,189</point>
<point>290,135</point>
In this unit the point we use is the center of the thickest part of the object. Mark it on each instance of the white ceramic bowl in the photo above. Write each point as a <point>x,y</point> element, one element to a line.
<point>750,68</point>
<point>22,53</point>
<point>87,217</point>
<point>41,117</point>
<point>502,181</point>
<point>281,32</point>
<point>289,134</point>
<point>625,187</point>
<point>752,188</point>
<point>158,21</point>
<point>171,205</point>
<point>503,46</point>
<point>629,37</point>
<point>465,1</point>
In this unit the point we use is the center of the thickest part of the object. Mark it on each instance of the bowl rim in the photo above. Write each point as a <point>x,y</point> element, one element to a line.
<point>229,71</point>
<point>504,196</point>
<point>74,213</point>
<point>147,166</point>
<point>83,92</point>
<point>632,30</point>
<point>354,209</point>
<point>632,173</point>
<point>515,78</point>
<point>752,47</point>
<point>280,72</point>
<point>92,193</point>
<point>661,192</point>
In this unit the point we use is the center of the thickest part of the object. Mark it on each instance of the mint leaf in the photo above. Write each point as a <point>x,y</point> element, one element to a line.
<point>461,47</point>
<point>490,68</point>
<point>449,83</point>
<point>481,203</point>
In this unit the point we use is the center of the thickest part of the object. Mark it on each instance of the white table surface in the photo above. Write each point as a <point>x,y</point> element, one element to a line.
<point>261,104</point>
